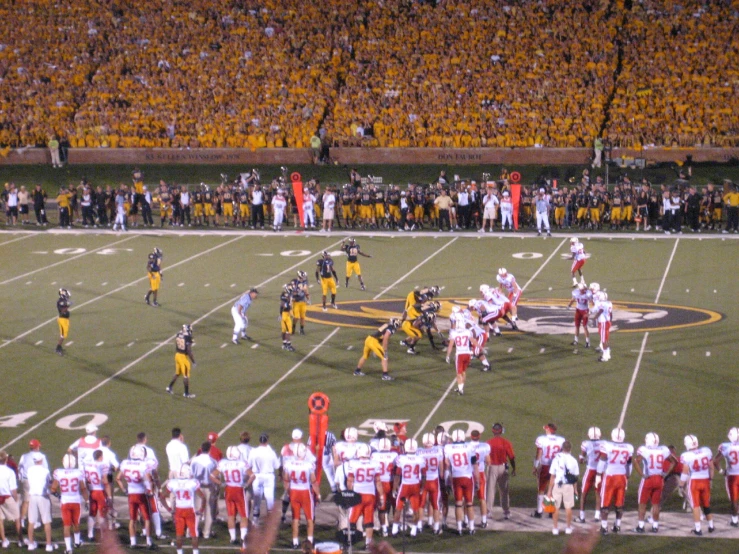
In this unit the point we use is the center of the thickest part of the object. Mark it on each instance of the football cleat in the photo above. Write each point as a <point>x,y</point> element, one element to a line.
<point>411,351</point>
<point>638,529</point>
<point>697,533</point>
<point>186,395</point>
<point>146,299</point>
<point>616,529</point>
<point>359,373</point>
<point>536,515</point>
<point>387,377</point>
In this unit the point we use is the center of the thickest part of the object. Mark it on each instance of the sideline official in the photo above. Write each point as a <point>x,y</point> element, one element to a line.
<point>501,455</point>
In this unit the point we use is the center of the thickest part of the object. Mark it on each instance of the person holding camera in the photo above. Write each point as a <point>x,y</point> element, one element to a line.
<point>564,474</point>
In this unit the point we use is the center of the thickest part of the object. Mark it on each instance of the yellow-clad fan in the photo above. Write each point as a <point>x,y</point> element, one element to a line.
<point>377,343</point>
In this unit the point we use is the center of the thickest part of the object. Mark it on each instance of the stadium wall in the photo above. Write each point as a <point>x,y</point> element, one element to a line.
<point>359,156</point>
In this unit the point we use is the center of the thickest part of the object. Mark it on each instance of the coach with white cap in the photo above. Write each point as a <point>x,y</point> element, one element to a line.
<point>25,462</point>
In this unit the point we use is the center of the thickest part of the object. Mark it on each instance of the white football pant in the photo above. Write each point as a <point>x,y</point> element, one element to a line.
<point>506,216</point>
<point>240,323</point>
<point>542,219</point>
<point>279,217</point>
<point>264,487</point>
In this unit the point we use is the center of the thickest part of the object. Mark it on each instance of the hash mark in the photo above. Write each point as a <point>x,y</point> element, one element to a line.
<point>224,345</point>
<point>233,285</point>
<point>181,285</point>
<point>103,284</point>
<point>102,342</point>
<point>541,351</point>
<point>350,347</point>
<point>38,342</point>
<point>255,346</point>
<point>708,354</point>
<point>70,343</point>
<point>207,284</point>
<point>78,284</point>
<point>674,353</point>
<point>510,350</point>
<point>130,344</point>
<point>29,282</point>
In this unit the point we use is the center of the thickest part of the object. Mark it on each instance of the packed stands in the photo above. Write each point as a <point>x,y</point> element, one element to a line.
<point>454,73</point>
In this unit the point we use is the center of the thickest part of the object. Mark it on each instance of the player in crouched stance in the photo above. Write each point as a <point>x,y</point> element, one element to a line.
<point>299,476</point>
<point>69,483</point>
<point>363,477</point>
<point>729,451</point>
<point>650,459</point>
<point>614,469</point>
<point>696,480</point>
<point>377,343</point>
<point>183,490</point>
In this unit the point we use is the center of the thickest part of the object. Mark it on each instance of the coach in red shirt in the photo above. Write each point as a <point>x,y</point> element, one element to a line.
<point>501,455</point>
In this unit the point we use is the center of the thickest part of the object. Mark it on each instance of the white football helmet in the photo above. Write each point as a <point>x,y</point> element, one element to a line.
<point>351,434</point>
<point>137,452</point>
<point>502,272</point>
<point>301,451</point>
<point>185,471</point>
<point>594,287</point>
<point>233,453</point>
<point>411,445</point>
<point>734,434</point>
<point>471,304</point>
<point>594,433</point>
<point>484,288</point>
<point>600,296</point>
<point>428,440</point>
<point>384,445</point>
<point>456,309</point>
<point>442,438</point>
<point>618,435</point>
<point>582,286</point>
<point>458,435</point>
<point>651,440</point>
<point>363,451</point>
<point>379,426</point>
<point>574,240</point>
<point>69,461</point>
<point>690,442</point>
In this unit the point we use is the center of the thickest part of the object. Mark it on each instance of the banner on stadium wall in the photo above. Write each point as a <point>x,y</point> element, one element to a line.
<point>298,192</point>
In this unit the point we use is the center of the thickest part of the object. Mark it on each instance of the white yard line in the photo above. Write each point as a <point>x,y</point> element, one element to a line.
<point>415,268</point>
<point>451,385</point>
<point>66,260</point>
<point>125,368</point>
<point>30,235</point>
<point>272,387</point>
<point>644,342</point>
<point>95,299</point>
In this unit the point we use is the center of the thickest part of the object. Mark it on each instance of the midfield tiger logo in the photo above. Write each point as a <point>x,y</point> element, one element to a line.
<point>540,316</point>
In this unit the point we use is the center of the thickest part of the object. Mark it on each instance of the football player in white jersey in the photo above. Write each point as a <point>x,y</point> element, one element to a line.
<point>614,469</point>
<point>460,459</point>
<point>410,470</point>
<point>589,455</point>
<point>482,451</point>
<point>464,343</point>
<point>134,477</point>
<point>236,476</point>
<point>286,454</point>
<point>264,462</point>
<point>363,477</point>
<point>578,260</point>
<point>510,288</point>
<point>696,481</point>
<point>650,459</point>
<point>729,452</point>
<point>69,482</point>
<point>184,490</point>
<point>385,457</point>
<point>548,446</point>
<point>345,450</point>
<point>431,495</point>
<point>603,314</point>
<point>299,477</point>
<point>581,297</point>
<point>98,477</point>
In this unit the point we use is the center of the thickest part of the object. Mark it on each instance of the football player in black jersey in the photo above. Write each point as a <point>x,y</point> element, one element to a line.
<point>154,269</point>
<point>353,252</point>
<point>286,321</point>
<point>183,359</point>
<point>301,299</point>
<point>377,343</point>
<point>327,278</point>
<point>62,306</point>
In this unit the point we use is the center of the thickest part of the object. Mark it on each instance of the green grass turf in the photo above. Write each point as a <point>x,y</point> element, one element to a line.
<point>337,175</point>
<point>673,395</point>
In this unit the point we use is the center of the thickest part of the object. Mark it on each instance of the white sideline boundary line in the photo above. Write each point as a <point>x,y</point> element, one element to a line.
<point>383,291</point>
<point>273,386</point>
<point>157,347</point>
<point>30,235</point>
<point>66,260</point>
<point>95,299</point>
<point>644,342</point>
<point>449,388</point>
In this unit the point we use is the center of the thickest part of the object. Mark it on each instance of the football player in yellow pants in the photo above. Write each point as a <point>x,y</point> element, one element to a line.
<point>372,344</point>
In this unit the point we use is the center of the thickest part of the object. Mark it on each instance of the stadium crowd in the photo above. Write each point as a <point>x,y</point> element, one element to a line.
<point>456,73</point>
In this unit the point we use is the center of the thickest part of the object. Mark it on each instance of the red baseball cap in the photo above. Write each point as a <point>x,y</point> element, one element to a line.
<point>34,443</point>
<point>212,437</point>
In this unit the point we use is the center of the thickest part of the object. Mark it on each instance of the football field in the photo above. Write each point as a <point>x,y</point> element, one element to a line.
<point>673,366</point>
